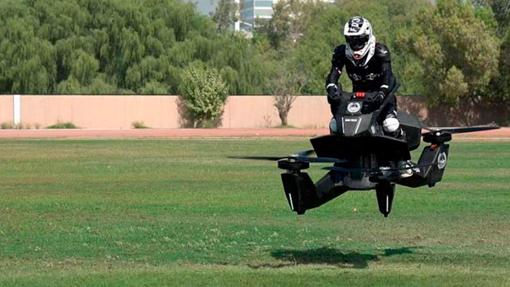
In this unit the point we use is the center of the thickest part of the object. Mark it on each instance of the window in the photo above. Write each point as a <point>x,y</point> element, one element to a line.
<point>263,13</point>
<point>264,3</point>
<point>247,3</point>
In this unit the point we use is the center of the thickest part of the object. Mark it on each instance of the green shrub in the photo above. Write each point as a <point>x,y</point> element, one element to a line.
<point>61,125</point>
<point>6,125</point>
<point>11,126</point>
<point>139,125</point>
<point>203,93</point>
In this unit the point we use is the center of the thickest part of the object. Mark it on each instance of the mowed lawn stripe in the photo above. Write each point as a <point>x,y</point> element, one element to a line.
<point>133,212</point>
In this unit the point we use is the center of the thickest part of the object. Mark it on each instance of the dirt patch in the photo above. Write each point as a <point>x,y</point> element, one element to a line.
<point>161,133</point>
<point>503,133</point>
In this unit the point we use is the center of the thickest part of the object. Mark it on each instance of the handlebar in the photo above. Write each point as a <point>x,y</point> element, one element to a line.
<point>359,95</point>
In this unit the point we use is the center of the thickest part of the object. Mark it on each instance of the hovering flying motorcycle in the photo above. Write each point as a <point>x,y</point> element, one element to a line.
<point>364,158</point>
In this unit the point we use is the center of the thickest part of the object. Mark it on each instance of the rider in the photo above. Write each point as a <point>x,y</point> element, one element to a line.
<point>368,65</point>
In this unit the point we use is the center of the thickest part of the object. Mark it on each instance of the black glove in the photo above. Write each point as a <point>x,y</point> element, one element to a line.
<point>375,98</point>
<point>333,94</point>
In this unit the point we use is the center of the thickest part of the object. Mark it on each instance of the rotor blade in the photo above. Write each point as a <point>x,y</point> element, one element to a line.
<point>457,130</point>
<point>269,158</point>
<point>343,169</point>
<point>297,158</point>
<point>305,156</point>
<point>319,159</point>
<point>305,153</point>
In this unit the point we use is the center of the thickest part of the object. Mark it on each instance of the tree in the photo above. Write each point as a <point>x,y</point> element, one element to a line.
<point>154,88</point>
<point>225,15</point>
<point>130,46</point>
<point>84,68</point>
<point>278,28</point>
<point>288,22</point>
<point>27,63</point>
<point>501,85</point>
<point>285,87</point>
<point>452,45</point>
<point>500,10</point>
<point>203,94</point>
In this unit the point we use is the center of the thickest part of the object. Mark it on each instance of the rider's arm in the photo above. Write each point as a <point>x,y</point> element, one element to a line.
<point>384,54</point>
<point>337,64</point>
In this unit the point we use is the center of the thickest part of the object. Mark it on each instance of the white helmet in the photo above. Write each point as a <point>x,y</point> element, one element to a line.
<point>360,40</point>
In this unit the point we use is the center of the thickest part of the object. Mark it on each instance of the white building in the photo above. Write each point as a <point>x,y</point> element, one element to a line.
<point>205,7</point>
<point>251,10</point>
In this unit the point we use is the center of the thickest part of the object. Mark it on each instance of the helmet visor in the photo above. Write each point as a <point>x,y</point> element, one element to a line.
<point>357,42</point>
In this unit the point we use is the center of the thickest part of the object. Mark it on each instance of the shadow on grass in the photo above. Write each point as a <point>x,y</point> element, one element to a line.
<point>330,256</point>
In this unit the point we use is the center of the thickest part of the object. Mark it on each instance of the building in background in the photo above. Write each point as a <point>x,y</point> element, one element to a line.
<point>251,10</point>
<point>205,7</point>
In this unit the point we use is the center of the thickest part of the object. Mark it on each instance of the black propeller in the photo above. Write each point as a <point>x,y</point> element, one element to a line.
<point>300,156</point>
<point>269,158</point>
<point>458,130</point>
<point>375,170</point>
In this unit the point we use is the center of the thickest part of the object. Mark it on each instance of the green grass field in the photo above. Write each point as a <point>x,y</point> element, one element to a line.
<point>182,213</point>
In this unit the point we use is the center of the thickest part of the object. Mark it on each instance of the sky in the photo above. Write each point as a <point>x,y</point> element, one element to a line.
<point>205,7</point>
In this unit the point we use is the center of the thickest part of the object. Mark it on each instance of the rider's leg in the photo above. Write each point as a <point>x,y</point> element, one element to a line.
<point>333,129</point>
<point>391,124</point>
<point>391,127</point>
<point>337,106</point>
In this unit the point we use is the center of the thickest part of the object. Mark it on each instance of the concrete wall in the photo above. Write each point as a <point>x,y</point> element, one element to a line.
<point>6,109</point>
<point>119,112</point>
<point>100,112</point>
<point>259,112</point>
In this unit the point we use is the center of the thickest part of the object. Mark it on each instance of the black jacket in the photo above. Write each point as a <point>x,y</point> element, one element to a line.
<point>376,75</point>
